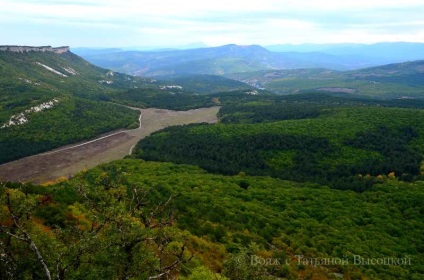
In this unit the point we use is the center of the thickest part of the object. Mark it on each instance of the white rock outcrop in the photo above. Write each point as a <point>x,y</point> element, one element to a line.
<point>21,118</point>
<point>70,70</point>
<point>52,70</point>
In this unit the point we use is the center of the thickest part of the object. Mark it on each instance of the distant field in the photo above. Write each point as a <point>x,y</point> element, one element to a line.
<point>69,160</point>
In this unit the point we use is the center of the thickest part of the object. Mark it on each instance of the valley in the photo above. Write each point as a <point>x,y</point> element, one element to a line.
<point>67,161</point>
<point>211,140</point>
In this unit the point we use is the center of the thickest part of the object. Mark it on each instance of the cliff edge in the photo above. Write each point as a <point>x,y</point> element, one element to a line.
<point>22,49</point>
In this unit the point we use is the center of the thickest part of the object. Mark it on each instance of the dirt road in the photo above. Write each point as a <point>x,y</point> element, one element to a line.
<point>69,160</point>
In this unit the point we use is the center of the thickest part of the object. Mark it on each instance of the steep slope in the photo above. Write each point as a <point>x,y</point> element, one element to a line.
<point>50,99</point>
<point>65,72</point>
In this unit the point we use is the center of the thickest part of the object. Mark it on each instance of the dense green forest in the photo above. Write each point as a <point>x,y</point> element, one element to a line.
<point>206,84</point>
<point>156,98</point>
<point>135,219</point>
<point>177,99</point>
<point>346,147</point>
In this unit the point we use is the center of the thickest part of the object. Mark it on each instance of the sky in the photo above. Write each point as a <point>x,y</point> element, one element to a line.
<point>170,23</point>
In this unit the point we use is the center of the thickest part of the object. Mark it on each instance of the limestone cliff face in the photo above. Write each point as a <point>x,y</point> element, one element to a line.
<point>22,49</point>
<point>60,50</point>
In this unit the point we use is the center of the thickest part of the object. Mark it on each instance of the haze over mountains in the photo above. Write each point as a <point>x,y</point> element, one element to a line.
<point>234,58</point>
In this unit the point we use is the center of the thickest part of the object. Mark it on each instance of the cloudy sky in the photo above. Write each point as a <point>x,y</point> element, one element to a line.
<point>167,23</point>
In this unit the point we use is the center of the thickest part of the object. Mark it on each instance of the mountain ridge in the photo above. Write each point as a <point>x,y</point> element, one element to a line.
<point>232,58</point>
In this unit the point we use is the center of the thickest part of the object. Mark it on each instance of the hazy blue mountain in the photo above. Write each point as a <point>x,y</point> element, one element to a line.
<point>166,48</point>
<point>94,51</point>
<point>219,61</point>
<point>380,53</point>
<point>303,48</point>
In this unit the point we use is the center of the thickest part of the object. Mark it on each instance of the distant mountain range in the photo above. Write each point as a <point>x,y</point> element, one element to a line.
<point>397,80</point>
<point>229,59</point>
<point>385,52</point>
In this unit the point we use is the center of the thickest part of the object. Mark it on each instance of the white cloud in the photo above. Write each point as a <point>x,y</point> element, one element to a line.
<point>170,22</point>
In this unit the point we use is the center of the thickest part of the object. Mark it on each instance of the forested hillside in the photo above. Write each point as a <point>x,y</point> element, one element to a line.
<point>136,219</point>
<point>206,84</point>
<point>346,147</point>
<point>71,120</point>
<point>49,100</point>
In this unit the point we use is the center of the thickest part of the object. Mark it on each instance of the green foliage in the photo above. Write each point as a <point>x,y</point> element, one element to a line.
<point>202,273</point>
<point>71,120</point>
<point>81,113</point>
<point>167,99</point>
<point>406,73</point>
<point>332,149</point>
<point>99,224</point>
<point>179,99</point>
<point>21,72</point>
<point>207,84</point>
<point>256,113</point>
<point>108,233</point>
<point>285,219</point>
<point>398,156</point>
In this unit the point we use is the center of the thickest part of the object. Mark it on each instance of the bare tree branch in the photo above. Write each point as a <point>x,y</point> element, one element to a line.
<point>26,238</point>
<point>168,269</point>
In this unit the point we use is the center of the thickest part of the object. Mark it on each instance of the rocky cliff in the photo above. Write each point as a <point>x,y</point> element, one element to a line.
<point>22,49</point>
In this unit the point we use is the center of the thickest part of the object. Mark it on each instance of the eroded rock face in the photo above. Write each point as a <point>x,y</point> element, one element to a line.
<point>21,49</point>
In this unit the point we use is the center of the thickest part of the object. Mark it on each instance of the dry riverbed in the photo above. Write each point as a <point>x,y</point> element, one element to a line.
<point>69,160</point>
